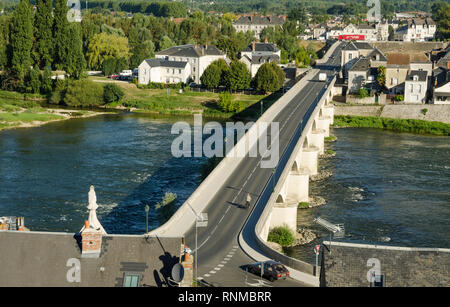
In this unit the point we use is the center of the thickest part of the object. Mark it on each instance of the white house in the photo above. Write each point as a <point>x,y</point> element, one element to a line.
<point>441,93</point>
<point>416,85</point>
<point>163,71</point>
<point>199,57</point>
<point>257,23</point>
<point>256,54</point>
<point>417,30</point>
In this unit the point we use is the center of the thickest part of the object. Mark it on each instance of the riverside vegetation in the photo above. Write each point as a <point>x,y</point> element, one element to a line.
<point>398,125</point>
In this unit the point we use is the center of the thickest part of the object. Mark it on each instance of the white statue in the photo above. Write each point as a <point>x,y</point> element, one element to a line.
<point>93,221</point>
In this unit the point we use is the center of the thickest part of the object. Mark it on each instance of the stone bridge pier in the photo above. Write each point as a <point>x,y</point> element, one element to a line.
<point>295,188</point>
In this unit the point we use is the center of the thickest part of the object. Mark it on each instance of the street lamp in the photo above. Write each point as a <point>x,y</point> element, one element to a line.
<point>147,208</point>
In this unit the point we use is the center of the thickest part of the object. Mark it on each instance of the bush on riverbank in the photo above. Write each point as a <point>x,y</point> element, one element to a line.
<point>398,125</point>
<point>84,93</point>
<point>166,208</point>
<point>282,235</point>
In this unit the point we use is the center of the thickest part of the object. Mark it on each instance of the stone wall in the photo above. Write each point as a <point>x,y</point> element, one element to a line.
<point>440,113</point>
<point>347,265</point>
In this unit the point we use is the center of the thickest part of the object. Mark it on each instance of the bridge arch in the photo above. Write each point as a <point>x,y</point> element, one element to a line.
<point>280,199</point>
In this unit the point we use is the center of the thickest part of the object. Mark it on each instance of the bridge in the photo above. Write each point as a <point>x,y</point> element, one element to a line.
<point>235,236</point>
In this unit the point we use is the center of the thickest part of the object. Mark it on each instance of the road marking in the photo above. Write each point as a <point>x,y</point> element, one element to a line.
<point>224,262</point>
<point>212,272</point>
<point>217,269</point>
<point>227,258</point>
<point>200,278</point>
<point>207,275</point>
<point>220,265</point>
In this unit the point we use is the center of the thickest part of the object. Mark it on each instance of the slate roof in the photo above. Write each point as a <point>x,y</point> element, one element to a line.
<point>166,63</point>
<point>376,52</point>
<point>420,73</point>
<point>350,46</point>
<point>261,59</point>
<point>190,51</point>
<point>418,58</point>
<point>262,47</point>
<point>259,20</point>
<point>363,46</point>
<point>41,259</point>
<point>362,64</point>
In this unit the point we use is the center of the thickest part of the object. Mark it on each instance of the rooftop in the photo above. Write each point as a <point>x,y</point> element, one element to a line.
<point>260,20</point>
<point>261,47</point>
<point>190,51</point>
<point>362,64</point>
<point>166,63</point>
<point>398,59</point>
<point>421,74</point>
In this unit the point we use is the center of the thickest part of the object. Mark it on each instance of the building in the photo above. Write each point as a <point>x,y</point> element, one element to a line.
<point>362,32</point>
<point>441,93</point>
<point>163,71</point>
<point>198,57</point>
<point>416,85</point>
<point>256,54</point>
<point>358,75</point>
<point>257,23</point>
<point>396,71</point>
<point>90,258</point>
<point>417,30</point>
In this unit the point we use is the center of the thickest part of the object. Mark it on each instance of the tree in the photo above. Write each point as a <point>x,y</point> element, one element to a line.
<point>60,34</point>
<point>84,93</point>
<point>103,46</point>
<point>268,78</point>
<point>442,18</point>
<point>75,62</point>
<point>46,81</point>
<point>381,77</point>
<point>34,83</point>
<point>112,93</point>
<point>238,77</point>
<point>43,22</point>
<point>142,51</point>
<point>165,43</point>
<point>21,40</point>
<point>211,76</point>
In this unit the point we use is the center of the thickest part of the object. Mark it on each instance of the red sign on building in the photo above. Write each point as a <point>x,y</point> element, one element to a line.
<point>352,37</point>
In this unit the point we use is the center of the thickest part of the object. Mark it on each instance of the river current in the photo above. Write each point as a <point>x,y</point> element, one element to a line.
<point>386,188</point>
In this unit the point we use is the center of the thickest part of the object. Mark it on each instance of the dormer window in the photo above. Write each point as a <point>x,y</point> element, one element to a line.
<point>415,78</point>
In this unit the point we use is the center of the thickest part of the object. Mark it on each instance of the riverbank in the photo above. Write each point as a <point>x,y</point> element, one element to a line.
<point>393,124</point>
<point>181,102</point>
<point>427,112</point>
<point>27,112</point>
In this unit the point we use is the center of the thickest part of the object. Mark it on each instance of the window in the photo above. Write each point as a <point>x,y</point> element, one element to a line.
<point>411,88</point>
<point>131,280</point>
<point>350,56</point>
<point>168,70</point>
<point>394,81</point>
<point>179,71</point>
<point>420,88</point>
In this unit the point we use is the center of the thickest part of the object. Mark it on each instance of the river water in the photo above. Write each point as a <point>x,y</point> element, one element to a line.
<point>387,187</point>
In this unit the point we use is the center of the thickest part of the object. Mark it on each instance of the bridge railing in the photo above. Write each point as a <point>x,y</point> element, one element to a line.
<point>268,197</point>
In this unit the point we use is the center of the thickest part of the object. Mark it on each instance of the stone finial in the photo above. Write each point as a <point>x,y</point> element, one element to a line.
<point>93,221</point>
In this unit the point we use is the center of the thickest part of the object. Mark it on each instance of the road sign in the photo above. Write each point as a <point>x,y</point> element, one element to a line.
<point>202,220</point>
<point>316,249</point>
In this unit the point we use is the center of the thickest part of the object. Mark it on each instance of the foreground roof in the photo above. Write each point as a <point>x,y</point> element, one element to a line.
<point>166,63</point>
<point>261,47</point>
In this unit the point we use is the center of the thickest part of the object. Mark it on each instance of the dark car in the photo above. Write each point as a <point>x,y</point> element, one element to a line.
<point>272,270</point>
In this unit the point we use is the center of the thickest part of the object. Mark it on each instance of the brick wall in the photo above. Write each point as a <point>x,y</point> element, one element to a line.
<point>346,265</point>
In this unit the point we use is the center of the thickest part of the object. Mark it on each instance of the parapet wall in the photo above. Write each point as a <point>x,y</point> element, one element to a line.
<point>347,265</point>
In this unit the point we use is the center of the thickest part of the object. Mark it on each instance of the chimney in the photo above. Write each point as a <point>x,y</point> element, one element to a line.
<point>91,242</point>
<point>253,46</point>
<point>448,64</point>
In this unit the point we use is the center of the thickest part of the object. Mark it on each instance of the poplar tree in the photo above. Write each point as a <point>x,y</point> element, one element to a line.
<point>21,39</point>
<point>75,62</point>
<point>60,34</point>
<point>43,23</point>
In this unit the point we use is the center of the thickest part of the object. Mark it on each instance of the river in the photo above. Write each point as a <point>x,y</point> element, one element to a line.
<point>387,188</point>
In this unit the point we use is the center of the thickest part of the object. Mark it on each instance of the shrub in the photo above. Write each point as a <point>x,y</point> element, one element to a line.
<point>363,93</point>
<point>282,235</point>
<point>112,93</point>
<point>399,98</point>
<point>424,111</point>
<point>303,205</point>
<point>166,208</point>
<point>225,101</point>
<point>84,93</point>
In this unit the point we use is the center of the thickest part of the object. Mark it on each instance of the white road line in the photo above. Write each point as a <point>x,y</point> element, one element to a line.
<point>227,259</point>
<point>217,269</point>
<point>207,275</point>
<point>220,265</point>
<point>224,262</point>
<point>212,272</point>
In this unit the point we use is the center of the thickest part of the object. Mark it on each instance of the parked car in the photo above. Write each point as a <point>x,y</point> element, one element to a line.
<point>113,76</point>
<point>272,270</point>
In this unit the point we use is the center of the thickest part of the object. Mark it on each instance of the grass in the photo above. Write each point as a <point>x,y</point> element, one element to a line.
<point>330,152</point>
<point>399,125</point>
<point>330,138</point>
<point>188,102</point>
<point>303,205</point>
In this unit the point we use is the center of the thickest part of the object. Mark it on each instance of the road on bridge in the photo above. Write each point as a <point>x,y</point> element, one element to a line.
<point>220,257</point>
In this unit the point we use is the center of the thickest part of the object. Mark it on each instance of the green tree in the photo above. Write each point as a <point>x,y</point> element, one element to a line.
<point>84,93</point>
<point>211,76</point>
<point>103,46</point>
<point>43,22</point>
<point>165,43</point>
<point>282,235</point>
<point>112,93</point>
<point>21,39</point>
<point>238,77</point>
<point>60,34</point>
<point>46,81</point>
<point>268,78</point>
<point>142,51</point>
<point>443,21</point>
<point>34,82</point>
<point>75,62</point>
